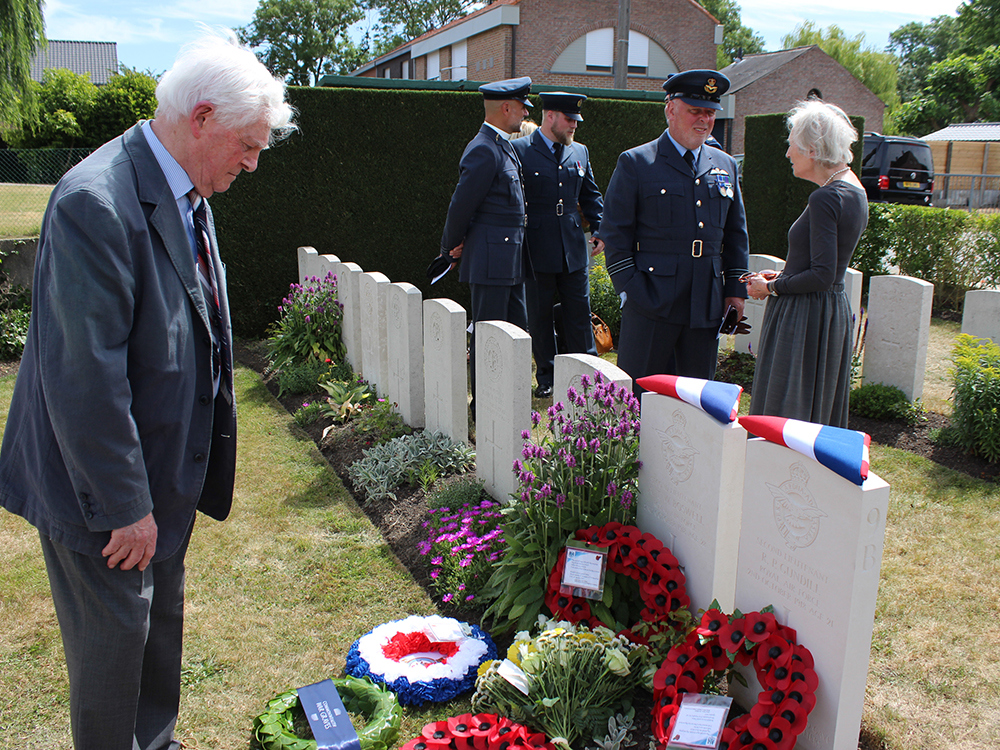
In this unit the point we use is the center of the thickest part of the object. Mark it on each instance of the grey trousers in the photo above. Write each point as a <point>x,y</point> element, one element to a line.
<point>122,633</point>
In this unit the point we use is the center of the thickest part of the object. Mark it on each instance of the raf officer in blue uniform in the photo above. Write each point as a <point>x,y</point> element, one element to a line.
<point>558,177</point>
<point>486,216</point>
<point>675,237</point>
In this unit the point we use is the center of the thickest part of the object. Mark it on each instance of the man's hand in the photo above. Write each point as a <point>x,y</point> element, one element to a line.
<point>598,246</point>
<point>737,302</point>
<point>456,251</point>
<point>132,545</point>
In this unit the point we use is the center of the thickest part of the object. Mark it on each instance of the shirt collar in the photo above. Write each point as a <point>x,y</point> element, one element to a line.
<point>505,136</point>
<point>546,139</point>
<point>681,149</point>
<point>178,180</point>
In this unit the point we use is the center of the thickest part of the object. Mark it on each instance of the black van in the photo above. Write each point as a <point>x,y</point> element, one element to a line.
<point>897,169</point>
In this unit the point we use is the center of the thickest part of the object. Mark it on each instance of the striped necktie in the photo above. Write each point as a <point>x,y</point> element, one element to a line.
<point>222,375</point>
<point>689,158</point>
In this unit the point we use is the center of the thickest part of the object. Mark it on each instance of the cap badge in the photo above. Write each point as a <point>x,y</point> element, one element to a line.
<point>710,87</point>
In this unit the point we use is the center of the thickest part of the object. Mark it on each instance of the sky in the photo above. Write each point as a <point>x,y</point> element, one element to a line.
<point>149,36</point>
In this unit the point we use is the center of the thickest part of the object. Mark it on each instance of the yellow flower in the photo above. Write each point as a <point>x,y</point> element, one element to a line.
<point>485,666</point>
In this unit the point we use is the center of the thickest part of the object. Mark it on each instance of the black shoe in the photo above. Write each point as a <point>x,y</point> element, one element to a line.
<point>543,391</point>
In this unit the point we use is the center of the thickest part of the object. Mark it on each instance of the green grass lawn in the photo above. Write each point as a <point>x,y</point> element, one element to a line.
<point>277,594</point>
<point>21,209</point>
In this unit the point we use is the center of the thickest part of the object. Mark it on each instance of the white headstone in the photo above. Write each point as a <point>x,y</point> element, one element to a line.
<point>853,281</point>
<point>311,263</point>
<point>503,402</point>
<point>690,485</point>
<point>349,293</point>
<point>446,371</point>
<point>405,349</point>
<point>899,321</point>
<point>374,356</point>
<point>754,309</point>
<point>811,546</point>
<point>981,314</point>
<point>569,368</point>
<point>306,257</point>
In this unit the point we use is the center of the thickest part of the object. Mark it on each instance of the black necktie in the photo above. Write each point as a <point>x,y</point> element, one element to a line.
<point>689,158</point>
<point>210,291</point>
<point>558,150</point>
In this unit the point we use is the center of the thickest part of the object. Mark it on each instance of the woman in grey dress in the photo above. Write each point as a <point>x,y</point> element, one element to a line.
<point>804,363</point>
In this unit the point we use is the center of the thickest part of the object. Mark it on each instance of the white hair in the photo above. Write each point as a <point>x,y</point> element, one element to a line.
<point>823,131</point>
<point>216,69</point>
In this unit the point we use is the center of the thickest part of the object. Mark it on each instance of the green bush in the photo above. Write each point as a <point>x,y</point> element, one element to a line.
<point>379,423</point>
<point>15,313</point>
<point>976,413</point>
<point>604,300</point>
<point>388,466</point>
<point>467,490</point>
<point>309,413</point>
<point>300,377</point>
<point>885,403</point>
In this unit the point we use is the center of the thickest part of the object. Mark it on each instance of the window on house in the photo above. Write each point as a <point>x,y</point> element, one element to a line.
<point>459,61</point>
<point>434,65</point>
<point>594,52</point>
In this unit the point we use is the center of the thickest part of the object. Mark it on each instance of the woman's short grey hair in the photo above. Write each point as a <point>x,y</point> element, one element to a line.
<point>823,131</point>
<point>217,69</point>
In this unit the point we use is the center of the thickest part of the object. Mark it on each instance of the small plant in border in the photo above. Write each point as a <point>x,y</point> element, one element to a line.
<point>309,324</point>
<point>463,545</point>
<point>309,413</point>
<point>584,472</point>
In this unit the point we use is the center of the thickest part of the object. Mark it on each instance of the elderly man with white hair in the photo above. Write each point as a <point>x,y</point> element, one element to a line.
<point>122,423</point>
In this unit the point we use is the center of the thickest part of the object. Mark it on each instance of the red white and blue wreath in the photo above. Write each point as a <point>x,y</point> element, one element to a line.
<point>422,659</point>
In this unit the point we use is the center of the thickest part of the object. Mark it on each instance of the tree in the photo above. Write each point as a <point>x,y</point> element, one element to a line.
<point>736,37</point>
<point>961,88</point>
<point>979,22</point>
<point>302,40</point>
<point>919,46</point>
<point>876,70</point>
<point>127,97</point>
<point>64,102</point>
<point>403,20</point>
<point>22,32</point>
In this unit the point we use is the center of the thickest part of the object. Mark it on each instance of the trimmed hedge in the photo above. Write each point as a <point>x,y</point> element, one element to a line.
<point>772,195</point>
<point>954,250</point>
<point>368,178</point>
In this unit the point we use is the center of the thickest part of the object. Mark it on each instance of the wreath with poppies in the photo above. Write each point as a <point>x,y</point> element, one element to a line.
<point>478,732</point>
<point>640,556</point>
<point>784,668</point>
<point>274,729</point>
<point>422,659</point>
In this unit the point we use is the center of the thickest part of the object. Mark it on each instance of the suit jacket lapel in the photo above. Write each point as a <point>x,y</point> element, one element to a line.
<point>165,219</point>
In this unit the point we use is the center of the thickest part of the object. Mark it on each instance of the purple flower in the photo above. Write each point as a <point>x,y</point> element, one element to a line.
<point>525,434</point>
<point>437,560</point>
<point>447,597</point>
<point>560,500</point>
<point>579,481</point>
<point>612,489</point>
<point>571,461</point>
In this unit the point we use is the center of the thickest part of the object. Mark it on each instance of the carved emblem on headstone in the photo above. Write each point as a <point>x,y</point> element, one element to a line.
<point>678,455</point>
<point>437,331</point>
<point>796,514</point>
<point>494,358</point>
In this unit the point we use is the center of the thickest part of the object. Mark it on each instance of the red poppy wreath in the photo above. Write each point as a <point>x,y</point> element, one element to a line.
<point>785,671</point>
<point>642,557</point>
<point>479,732</point>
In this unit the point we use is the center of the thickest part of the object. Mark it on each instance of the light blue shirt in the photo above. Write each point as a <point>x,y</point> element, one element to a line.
<point>550,144</point>
<point>682,150</point>
<point>177,180</point>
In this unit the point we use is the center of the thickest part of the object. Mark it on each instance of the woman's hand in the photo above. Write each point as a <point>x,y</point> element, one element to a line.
<point>757,285</point>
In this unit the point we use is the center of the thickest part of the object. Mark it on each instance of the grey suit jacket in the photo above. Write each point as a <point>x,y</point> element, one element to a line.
<point>113,415</point>
<point>487,213</point>
<point>552,192</point>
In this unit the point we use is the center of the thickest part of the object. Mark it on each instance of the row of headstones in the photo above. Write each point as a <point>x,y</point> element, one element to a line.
<point>753,523</point>
<point>899,319</point>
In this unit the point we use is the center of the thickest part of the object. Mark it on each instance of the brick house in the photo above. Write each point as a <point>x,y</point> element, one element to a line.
<point>562,43</point>
<point>774,81</point>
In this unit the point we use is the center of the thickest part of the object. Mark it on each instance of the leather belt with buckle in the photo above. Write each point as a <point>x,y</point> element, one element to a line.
<point>696,249</point>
